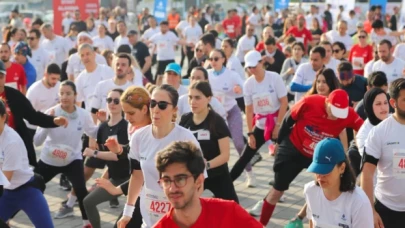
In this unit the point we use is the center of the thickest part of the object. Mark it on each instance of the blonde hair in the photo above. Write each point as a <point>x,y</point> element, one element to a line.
<point>137,97</point>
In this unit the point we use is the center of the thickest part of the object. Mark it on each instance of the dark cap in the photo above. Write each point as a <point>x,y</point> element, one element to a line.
<point>132,32</point>
<point>2,68</point>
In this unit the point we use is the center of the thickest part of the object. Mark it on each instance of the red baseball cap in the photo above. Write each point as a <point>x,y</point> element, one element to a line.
<point>339,101</point>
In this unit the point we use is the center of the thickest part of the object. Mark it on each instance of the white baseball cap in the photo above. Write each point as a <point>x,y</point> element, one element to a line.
<point>252,58</point>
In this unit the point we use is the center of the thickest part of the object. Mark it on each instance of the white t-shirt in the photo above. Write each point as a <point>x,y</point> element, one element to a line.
<point>121,40</point>
<point>386,143</point>
<point>147,35</point>
<point>40,60</point>
<point>334,36</point>
<point>333,64</point>
<point>233,63</point>
<point>58,49</point>
<point>368,68</point>
<point>349,210</point>
<point>86,83</point>
<point>192,34</point>
<point>305,75</point>
<point>138,77</point>
<point>102,89</point>
<point>183,106</point>
<point>13,157</point>
<point>42,98</point>
<point>392,71</point>
<point>63,145</point>
<point>399,51</point>
<point>75,65</point>
<point>144,147</point>
<point>309,18</point>
<point>264,95</point>
<point>165,44</point>
<point>377,38</point>
<point>182,25</point>
<point>182,90</point>
<point>362,135</point>
<point>222,86</point>
<point>105,43</point>
<point>244,44</point>
<point>218,43</point>
<point>254,19</point>
<point>352,25</point>
<point>66,24</point>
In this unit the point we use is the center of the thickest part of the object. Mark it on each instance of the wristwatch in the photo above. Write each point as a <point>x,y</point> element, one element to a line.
<point>95,153</point>
<point>250,133</point>
<point>208,165</point>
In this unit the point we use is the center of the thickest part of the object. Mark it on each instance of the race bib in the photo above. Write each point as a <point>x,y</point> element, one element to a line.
<point>230,28</point>
<point>164,45</point>
<point>398,163</point>
<point>203,135</point>
<point>359,60</point>
<point>59,155</point>
<point>262,103</point>
<point>156,204</point>
<point>299,39</point>
<point>220,96</point>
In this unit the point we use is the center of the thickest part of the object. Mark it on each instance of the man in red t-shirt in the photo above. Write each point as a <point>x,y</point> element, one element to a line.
<point>183,186</point>
<point>300,33</point>
<point>231,25</point>
<point>312,119</point>
<point>15,75</point>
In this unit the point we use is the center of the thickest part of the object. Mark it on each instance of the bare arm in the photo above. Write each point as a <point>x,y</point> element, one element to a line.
<point>8,174</point>
<point>147,65</point>
<point>344,140</point>
<point>224,153</point>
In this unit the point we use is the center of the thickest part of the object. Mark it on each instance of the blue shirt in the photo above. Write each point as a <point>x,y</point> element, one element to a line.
<point>30,72</point>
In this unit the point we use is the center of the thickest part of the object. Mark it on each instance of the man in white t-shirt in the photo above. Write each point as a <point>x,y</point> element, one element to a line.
<point>391,66</point>
<point>122,38</point>
<point>57,46</point>
<point>90,76</point>
<point>40,57</point>
<point>246,43</point>
<point>352,23</point>
<point>191,34</point>
<point>66,23</point>
<point>151,31</point>
<point>329,61</point>
<point>44,94</point>
<point>313,14</point>
<point>385,152</point>
<point>341,35</point>
<point>75,65</point>
<point>255,20</point>
<point>380,33</point>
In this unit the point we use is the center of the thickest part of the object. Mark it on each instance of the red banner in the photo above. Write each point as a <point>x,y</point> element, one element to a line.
<point>60,7</point>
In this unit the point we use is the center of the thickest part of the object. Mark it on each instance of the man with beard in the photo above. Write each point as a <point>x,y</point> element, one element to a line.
<point>15,75</point>
<point>43,94</point>
<point>300,33</point>
<point>181,169</point>
<point>392,67</point>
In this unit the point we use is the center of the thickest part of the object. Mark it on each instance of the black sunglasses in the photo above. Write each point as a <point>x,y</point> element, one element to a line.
<point>198,50</point>
<point>162,105</point>
<point>362,37</point>
<point>336,50</point>
<point>214,59</point>
<point>31,38</point>
<point>115,100</point>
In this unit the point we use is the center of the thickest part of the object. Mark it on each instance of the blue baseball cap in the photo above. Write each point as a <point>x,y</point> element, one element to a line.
<point>327,154</point>
<point>173,67</point>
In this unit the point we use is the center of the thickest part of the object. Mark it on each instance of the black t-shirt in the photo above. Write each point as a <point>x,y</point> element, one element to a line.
<point>116,169</point>
<point>140,51</point>
<point>113,35</point>
<point>357,89</point>
<point>209,144</point>
<point>316,31</point>
<point>80,26</point>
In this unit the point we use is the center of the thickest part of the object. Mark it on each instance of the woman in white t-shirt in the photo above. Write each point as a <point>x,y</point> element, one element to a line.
<point>232,62</point>
<point>61,151</point>
<point>333,199</point>
<point>17,178</point>
<point>144,144</point>
<point>102,41</point>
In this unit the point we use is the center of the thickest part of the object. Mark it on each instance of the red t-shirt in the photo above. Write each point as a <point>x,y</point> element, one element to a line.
<point>10,121</point>
<point>301,36</point>
<point>360,54</point>
<point>15,76</point>
<point>216,213</point>
<point>260,46</point>
<point>312,123</point>
<point>231,26</point>
<point>367,26</point>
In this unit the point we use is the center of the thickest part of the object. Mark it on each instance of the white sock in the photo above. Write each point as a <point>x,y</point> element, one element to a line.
<point>86,222</point>
<point>71,201</point>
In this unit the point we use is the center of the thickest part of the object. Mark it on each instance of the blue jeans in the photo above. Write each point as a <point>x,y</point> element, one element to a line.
<point>31,201</point>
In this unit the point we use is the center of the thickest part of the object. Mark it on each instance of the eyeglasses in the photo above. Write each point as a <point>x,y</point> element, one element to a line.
<point>362,37</point>
<point>336,50</point>
<point>162,105</point>
<point>31,38</point>
<point>115,100</point>
<point>179,181</point>
<point>214,59</point>
<point>198,50</point>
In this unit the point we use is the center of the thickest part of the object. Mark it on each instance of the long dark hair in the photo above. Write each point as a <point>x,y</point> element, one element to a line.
<point>330,78</point>
<point>347,179</point>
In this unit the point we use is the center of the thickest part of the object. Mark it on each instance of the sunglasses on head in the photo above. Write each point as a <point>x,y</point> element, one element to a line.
<point>162,105</point>
<point>336,50</point>
<point>214,59</point>
<point>115,100</point>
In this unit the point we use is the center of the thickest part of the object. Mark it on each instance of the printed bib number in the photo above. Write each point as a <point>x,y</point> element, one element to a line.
<point>157,205</point>
<point>230,28</point>
<point>398,163</point>
<point>164,46</point>
<point>220,96</point>
<point>299,39</point>
<point>262,103</point>
<point>359,60</point>
<point>59,155</point>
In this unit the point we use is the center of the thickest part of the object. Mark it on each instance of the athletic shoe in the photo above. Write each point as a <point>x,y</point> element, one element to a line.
<point>256,209</point>
<point>65,201</point>
<point>282,199</point>
<point>295,223</point>
<point>114,203</point>
<point>64,183</point>
<point>256,158</point>
<point>251,180</point>
<point>64,212</point>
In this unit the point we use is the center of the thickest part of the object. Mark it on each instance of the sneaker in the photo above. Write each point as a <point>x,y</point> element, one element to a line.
<point>282,199</point>
<point>295,223</point>
<point>251,180</point>
<point>64,183</point>
<point>63,203</point>
<point>256,158</point>
<point>114,203</point>
<point>64,212</point>
<point>256,209</point>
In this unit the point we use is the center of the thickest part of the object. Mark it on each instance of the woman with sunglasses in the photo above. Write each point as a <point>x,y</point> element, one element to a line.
<point>339,51</point>
<point>335,188</point>
<point>213,135</point>
<point>144,144</point>
<point>198,60</point>
<point>361,54</point>
<point>61,151</point>
<point>19,192</point>
<point>232,62</point>
<point>226,85</point>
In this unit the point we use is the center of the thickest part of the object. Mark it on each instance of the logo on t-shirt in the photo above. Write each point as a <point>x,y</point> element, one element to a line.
<point>343,217</point>
<point>392,143</point>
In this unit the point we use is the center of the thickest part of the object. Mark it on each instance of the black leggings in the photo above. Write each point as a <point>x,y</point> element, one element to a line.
<point>221,186</point>
<point>241,103</point>
<point>136,220</point>
<point>189,54</point>
<point>248,154</point>
<point>355,158</point>
<point>390,218</point>
<point>74,172</point>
